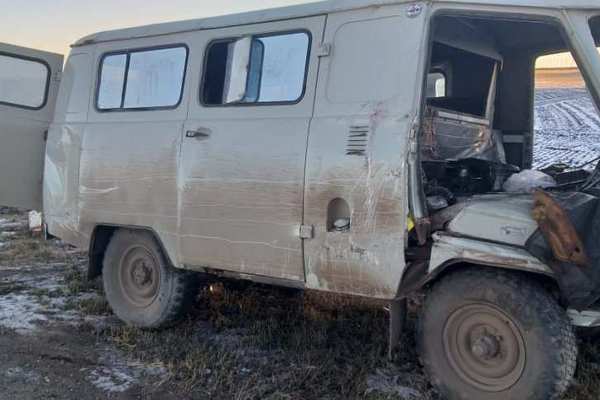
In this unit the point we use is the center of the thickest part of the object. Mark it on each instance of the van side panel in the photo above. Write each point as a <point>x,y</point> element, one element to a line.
<point>122,164</point>
<point>63,150</point>
<point>367,98</point>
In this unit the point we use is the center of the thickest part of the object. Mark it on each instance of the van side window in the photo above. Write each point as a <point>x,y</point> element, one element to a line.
<point>142,79</point>
<point>256,70</point>
<point>23,82</point>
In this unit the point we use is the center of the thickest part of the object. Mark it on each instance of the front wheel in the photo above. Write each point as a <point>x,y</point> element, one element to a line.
<point>141,287</point>
<point>493,335</point>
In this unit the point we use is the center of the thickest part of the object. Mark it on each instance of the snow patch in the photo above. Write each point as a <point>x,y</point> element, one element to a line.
<point>117,376</point>
<point>8,225</point>
<point>21,312</point>
<point>21,375</point>
<point>111,380</point>
<point>567,128</point>
<point>389,384</point>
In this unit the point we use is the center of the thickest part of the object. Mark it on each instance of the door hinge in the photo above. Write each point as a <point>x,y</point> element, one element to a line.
<point>324,50</point>
<point>307,231</point>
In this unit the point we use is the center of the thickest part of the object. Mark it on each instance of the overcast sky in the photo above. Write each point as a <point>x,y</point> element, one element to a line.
<point>55,24</point>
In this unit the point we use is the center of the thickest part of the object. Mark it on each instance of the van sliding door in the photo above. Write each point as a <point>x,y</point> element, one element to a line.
<point>244,148</point>
<point>29,81</point>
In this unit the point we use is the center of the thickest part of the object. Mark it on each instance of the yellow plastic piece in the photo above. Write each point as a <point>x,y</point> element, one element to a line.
<point>410,223</point>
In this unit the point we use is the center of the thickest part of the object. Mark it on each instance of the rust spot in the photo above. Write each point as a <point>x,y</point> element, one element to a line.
<point>559,231</point>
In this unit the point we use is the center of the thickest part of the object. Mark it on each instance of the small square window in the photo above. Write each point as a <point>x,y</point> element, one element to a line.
<point>255,70</point>
<point>142,79</point>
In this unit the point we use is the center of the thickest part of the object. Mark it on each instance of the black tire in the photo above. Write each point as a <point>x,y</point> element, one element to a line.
<point>494,335</point>
<point>142,288</point>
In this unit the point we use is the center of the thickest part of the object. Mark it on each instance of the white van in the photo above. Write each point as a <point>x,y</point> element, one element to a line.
<point>359,147</point>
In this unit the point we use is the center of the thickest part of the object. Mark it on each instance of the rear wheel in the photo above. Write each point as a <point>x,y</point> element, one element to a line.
<point>488,334</point>
<point>141,287</point>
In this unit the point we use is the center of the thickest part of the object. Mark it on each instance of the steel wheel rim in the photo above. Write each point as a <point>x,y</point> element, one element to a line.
<point>485,347</point>
<point>139,276</point>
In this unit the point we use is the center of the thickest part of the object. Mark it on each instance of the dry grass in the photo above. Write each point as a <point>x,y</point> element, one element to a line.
<point>96,305</point>
<point>27,250</point>
<point>587,379</point>
<point>76,282</point>
<point>264,343</point>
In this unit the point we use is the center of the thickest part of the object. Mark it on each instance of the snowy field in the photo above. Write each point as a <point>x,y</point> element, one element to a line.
<point>567,128</point>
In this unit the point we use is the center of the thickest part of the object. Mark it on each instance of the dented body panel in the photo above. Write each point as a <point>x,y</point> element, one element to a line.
<point>357,152</point>
<point>451,250</point>
<point>500,218</point>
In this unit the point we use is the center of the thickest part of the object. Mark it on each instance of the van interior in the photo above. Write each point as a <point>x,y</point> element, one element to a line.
<point>478,122</point>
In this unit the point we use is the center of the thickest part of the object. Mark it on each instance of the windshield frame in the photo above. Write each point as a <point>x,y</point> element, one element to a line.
<point>584,49</point>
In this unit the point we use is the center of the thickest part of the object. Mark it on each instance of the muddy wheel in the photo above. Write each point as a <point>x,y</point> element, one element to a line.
<point>141,287</point>
<point>488,334</point>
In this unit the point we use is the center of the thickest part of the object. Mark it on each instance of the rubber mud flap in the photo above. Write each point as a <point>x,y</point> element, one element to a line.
<point>568,242</point>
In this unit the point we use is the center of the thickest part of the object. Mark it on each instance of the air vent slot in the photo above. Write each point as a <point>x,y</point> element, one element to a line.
<point>358,140</point>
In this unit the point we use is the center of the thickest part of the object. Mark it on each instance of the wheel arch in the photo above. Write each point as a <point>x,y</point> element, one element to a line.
<point>100,238</point>
<point>544,278</point>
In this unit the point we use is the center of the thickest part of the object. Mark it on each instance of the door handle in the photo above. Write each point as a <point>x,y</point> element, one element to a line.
<point>198,134</point>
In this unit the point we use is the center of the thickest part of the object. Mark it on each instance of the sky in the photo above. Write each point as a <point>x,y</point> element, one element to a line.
<point>53,25</point>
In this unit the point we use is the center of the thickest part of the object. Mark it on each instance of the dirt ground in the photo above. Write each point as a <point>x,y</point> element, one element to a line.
<point>58,340</point>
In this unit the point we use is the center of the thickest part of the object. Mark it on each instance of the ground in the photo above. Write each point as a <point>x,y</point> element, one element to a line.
<point>59,340</point>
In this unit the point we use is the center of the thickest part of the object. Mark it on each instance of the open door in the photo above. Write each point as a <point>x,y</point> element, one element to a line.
<point>29,81</point>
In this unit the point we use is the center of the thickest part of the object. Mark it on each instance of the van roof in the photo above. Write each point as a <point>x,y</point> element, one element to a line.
<point>304,10</point>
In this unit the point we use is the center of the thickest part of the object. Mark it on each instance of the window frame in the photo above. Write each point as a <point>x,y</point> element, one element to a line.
<point>46,89</point>
<point>258,36</point>
<point>593,18</point>
<point>128,53</point>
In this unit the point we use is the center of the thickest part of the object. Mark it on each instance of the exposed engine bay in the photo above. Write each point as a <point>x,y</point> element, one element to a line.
<point>482,202</point>
<point>462,158</point>
<point>463,153</point>
<point>554,214</point>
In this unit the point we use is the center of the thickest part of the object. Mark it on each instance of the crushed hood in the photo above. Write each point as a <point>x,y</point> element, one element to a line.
<point>502,218</point>
<point>560,229</point>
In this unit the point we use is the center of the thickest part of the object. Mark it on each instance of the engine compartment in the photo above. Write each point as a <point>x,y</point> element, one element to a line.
<point>475,196</point>
<point>477,135</point>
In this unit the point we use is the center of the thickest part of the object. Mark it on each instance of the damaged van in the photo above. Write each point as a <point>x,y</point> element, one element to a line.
<point>365,147</point>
